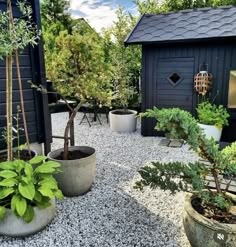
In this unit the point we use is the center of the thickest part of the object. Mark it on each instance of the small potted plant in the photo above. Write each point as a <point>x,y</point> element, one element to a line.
<point>208,210</point>
<point>212,119</point>
<point>78,71</point>
<point>27,195</point>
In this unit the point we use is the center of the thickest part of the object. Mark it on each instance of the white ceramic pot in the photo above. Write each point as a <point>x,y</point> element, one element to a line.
<point>211,131</point>
<point>13,226</point>
<point>123,122</point>
<point>79,174</point>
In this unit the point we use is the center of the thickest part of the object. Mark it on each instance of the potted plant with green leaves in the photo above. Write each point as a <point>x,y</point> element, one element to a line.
<point>212,119</point>
<point>78,71</point>
<point>209,207</point>
<point>27,195</point>
<point>16,34</point>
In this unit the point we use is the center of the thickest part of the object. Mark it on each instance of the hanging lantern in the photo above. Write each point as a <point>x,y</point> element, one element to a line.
<point>203,80</point>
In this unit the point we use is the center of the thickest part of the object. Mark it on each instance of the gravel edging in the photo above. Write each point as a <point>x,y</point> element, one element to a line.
<point>113,213</point>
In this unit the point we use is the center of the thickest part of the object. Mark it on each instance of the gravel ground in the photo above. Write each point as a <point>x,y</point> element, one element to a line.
<point>113,213</point>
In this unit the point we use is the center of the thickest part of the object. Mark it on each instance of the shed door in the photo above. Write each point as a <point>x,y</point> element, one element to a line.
<point>175,83</point>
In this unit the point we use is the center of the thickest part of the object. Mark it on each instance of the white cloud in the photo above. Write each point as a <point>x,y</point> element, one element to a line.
<point>99,14</point>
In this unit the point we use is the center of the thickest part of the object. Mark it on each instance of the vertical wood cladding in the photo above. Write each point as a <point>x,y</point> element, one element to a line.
<point>32,69</point>
<point>159,61</point>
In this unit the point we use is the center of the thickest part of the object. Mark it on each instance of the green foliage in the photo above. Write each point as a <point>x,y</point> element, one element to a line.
<point>125,61</point>
<point>22,187</point>
<point>22,33</point>
<point>176,176</point>
<point>212,114</point>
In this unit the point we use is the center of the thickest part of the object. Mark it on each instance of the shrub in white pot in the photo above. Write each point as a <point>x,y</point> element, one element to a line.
<point>212,119</point>
<point>27,195</point>
<point>207,211</point>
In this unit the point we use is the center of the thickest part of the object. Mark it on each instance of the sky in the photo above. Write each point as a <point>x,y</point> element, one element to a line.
<point>99,13</point>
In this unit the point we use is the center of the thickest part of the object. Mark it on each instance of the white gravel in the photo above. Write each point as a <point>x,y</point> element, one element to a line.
<point>113,213</point>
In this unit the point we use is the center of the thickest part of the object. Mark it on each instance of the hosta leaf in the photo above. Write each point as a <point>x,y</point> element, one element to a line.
<point>19,165</point>
<point>28,170</point>
<point>52,164</point>
<point>37,159</point>
<point>38,196</point>
<point>8,182</point>
<point>6,192</point>
<point>29,214</point>
<point>44,203</point>
<point>2,212</point>
<point>21,205</point>
<point>46,192</point>
<point>49,182</point>
<point>8,165</point>
<point>13,202</point>
<point>58,194</point>
<point>27,190</point>
<point>8,174</point>
<point>44,169</point>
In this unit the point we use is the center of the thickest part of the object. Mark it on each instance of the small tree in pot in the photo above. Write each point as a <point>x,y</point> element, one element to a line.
<point>207,210</point>
<point>78,71</point>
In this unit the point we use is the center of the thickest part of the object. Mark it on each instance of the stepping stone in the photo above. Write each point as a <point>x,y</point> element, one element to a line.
<point>176,143</point>
<point>164,142</point>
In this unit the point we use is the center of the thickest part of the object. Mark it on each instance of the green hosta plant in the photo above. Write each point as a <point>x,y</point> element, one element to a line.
<point>212,114</point>
<point>22,187</point>
<point>191,176</point>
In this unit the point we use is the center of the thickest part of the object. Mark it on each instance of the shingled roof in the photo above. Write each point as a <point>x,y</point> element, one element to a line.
<point>205,23</point>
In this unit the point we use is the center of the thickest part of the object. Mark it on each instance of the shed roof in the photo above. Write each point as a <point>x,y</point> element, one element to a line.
<point>204,23</point>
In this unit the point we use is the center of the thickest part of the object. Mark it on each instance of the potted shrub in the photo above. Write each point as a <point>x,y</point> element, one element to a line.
<point>212,119</point>
<point>78,71</point>
<point>208,211</point>
<point>27,195</point>
<point>16,34</point>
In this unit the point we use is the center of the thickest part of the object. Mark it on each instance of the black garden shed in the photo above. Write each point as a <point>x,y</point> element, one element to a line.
<point>36,105</point>
<point>174,46</point>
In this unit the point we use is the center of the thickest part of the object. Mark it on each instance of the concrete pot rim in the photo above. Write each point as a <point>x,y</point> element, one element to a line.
<point>214,225</point>
<point>133,112</point>
<point>72,148</point>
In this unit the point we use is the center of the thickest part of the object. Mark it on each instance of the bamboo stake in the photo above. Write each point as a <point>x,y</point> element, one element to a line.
<point>20,87</point>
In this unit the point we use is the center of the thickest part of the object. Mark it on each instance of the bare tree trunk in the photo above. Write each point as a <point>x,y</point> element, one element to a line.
<point>9,107</point>
<point>67,129</point>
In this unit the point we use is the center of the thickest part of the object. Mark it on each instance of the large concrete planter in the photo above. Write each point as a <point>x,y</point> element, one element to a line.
<point>124,122</point>
<point>13,226</point>
<point>211,131</point>
<point>202,231</point>
<point>78,175</point>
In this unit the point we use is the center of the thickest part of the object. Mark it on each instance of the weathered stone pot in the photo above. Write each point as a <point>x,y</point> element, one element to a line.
<point>13,226</point>
<point>78,175</point>
<point>202,231</point>
<point>211,131</point>
<point>123,122</point>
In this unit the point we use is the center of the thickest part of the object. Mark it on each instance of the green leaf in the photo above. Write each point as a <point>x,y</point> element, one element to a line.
<point>19,165</point>
<point>21,205</point>
<point>6,192</point>
<point>44,169</point>
<point>52,164</point>
<point>2,212</point>
<point>8,165</point>
<point>38,196</point>
<point>27,190</point>
<point>58,194</point>
<point>13,202</point>
<point>37,160</point>
<point>28,170</point>
<point>8,182</point>
<point>46,202</point>
<point>29,214</point>
<point>46,192</point>
<point>49,182</point>
<point>8,174</point>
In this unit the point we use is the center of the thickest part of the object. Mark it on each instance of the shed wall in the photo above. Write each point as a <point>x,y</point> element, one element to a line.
<point>30,61</point>
<point>220,57</point>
